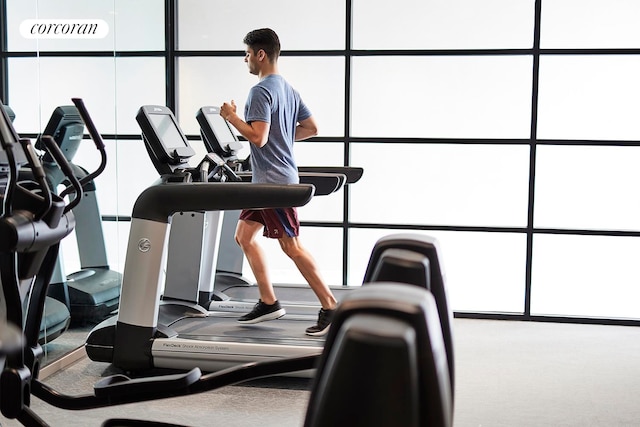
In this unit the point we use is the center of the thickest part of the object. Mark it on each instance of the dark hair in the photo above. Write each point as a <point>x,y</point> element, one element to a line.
<point>265,39</point>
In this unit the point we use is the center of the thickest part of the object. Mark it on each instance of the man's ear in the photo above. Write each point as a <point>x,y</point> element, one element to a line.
<point>261,54</point>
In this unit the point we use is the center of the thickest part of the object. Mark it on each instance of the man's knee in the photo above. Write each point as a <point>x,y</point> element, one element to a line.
<point>238,240</point>
<point>244,239</point>
<point>291,247</point>
<point>246,233</point>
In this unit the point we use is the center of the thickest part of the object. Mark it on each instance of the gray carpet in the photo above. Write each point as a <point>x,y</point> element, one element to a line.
<point>515,374</point>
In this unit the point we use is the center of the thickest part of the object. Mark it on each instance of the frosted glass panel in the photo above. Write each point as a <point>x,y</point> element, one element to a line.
<point>139,81</point>
<point>17,12</point>
<point>484,271</point>
<point>481,185</point>
<point>590,24</point>
<point>115,239</point>
<point>212,81</point>
<point>134,172</point>
<point>589,97</point>
<point>451,24</point>
<point>222,25</point>
<point>21,10</point>
<point>129,171</point>
<point>124,19</point>
<point>139,25</point>
<point>325,245</point>
<point>591,276</point>
<point>588,187</point>
<point>117,236</point>
<point>38,85</point>
<point>442,97</point>
<point>321,208</point>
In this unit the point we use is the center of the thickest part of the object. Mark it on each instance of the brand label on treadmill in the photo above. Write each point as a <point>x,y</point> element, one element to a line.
<point>144,245</point>
<point>194,347</point>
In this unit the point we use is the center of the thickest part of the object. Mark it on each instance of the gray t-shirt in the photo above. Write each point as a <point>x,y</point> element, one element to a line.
<point>274,101</point>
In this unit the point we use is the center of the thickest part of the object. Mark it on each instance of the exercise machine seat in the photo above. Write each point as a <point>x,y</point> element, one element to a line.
<point>384,362</point>
<point>415,259</point>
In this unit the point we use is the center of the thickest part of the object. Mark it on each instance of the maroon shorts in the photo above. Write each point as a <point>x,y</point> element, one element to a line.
<point>280,222</point>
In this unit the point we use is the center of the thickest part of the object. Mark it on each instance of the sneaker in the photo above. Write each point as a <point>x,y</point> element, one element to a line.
<point>262,312</point>
<point>324,321</point>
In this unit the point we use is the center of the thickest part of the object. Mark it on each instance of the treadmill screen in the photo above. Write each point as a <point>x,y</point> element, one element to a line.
<point>167,131</point>
<point>165,142</point>
<point>216,133</point>
<point>220,129</point>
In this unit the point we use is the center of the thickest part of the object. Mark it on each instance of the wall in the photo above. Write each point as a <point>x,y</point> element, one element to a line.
<point>507,129</point>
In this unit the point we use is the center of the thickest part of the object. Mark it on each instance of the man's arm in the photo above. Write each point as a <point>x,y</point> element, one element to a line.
<point>256,132</point>
<point>306,129</point>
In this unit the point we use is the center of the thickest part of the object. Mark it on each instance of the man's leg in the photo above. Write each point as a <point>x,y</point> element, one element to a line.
<point>309,270</point>
<point>246,236</point>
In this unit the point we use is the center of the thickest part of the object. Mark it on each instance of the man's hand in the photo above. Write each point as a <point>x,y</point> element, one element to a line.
<point>256,132</point>
<point>227,110</point>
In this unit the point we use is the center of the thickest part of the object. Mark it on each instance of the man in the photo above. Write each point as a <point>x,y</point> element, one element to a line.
<point>275,117</point>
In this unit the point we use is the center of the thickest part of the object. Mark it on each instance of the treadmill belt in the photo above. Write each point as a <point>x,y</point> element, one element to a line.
<point>281,331</point>
<point>287,294</point>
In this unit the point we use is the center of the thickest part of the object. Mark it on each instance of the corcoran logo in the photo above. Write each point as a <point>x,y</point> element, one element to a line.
<point>64,29</point>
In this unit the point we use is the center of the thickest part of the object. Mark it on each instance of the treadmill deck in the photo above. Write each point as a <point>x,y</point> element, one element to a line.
<point>218,341</point>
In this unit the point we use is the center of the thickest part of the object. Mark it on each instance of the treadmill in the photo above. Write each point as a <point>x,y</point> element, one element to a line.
<point>232,291</point>
<point>92,292</point>
<point>202,252</point>
<point>181,334</point>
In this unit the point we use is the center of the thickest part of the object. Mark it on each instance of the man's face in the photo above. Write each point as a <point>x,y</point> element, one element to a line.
<point>251,58</point>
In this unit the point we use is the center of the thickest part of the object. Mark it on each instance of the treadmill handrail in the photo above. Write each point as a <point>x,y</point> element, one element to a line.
<point>324,183</point>
<point>159,202</point>
<point>352,173</point>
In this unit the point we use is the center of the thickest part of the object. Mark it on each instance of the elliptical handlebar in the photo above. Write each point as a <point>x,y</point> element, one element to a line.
<point>39,175</point>
<point>97,140</point>
<point>88,122</point>
<point>65,167</point>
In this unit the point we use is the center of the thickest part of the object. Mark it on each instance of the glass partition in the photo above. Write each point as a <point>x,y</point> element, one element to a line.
<point>452,24</point>
<point>589,97</point>
<point>585,276</point>
<point>485,272</point>
<point>441,96</point>
<point>214,80</point>
<point>63,49</point>
<point>443,184</point>
<point>215,25</point>
<point>587,187</point>
<point>599,24</point>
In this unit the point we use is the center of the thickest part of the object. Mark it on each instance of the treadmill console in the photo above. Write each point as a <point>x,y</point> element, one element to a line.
<point>167,146</point>
<point>216,133</point>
